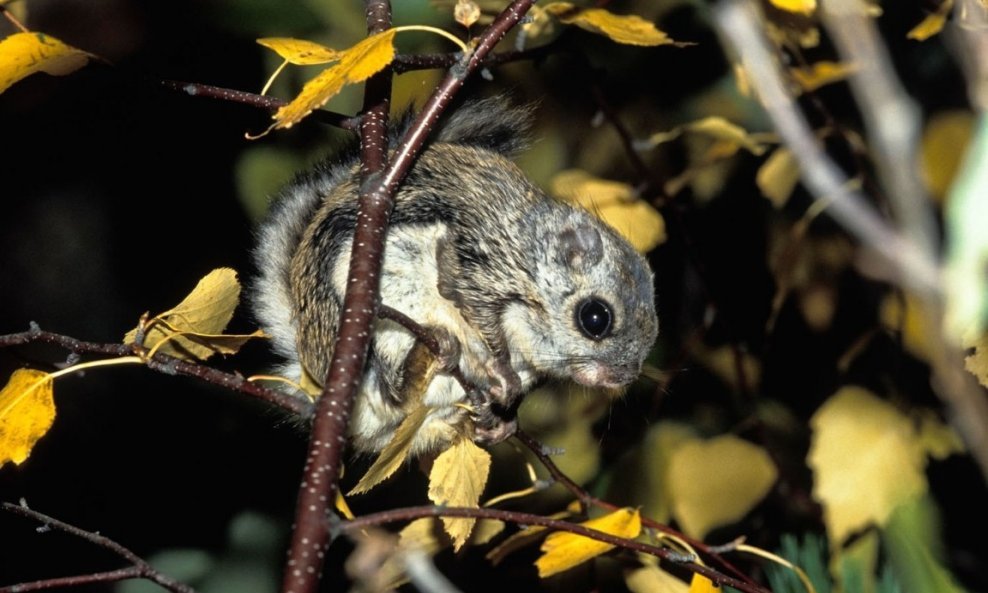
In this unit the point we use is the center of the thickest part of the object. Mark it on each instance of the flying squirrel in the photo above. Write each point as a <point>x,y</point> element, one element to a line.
<point>516,286</point>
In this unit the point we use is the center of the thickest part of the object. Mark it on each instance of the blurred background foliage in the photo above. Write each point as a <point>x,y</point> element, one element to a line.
<point>119,195</point>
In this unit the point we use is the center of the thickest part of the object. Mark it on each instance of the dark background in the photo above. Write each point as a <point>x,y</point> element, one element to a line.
<point>119,195</point>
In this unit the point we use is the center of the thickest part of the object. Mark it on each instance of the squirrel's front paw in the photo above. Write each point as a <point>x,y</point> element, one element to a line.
<point>491,429</point>
<point>506,384</point>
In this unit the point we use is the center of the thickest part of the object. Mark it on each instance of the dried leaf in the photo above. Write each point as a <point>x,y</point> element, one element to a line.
<point>356,64</point>
<point>701,584</point>
<point>718,128</point>
<point>458,477</point>
<point>717,482</point>
<point>798,6</point>
<point>421,367</point>
<point>933,23</point>
<point>466,12</point>
<point>861,441</point>
<point>778,176</point>
<point>23,54</point>
<point>300,52</point>
<point>628,29</point>
<point>27,411</point>
<point>821,73</point>
<point>564,550</point>
<point>976,362</point>
<point>616,204</point>
<point>205,311</point>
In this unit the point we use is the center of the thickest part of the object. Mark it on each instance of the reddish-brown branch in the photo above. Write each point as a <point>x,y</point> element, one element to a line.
<point>168,365</point>
<point>327,443</point>
<point>195,89</point>
<point>586,499</point>
<point>139,567</point>
<point>412,513</point>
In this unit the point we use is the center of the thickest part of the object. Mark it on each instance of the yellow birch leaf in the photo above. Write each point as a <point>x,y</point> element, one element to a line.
<point>908,318</point>
<point>420,535</point>
<point>27,411</point>
<point>717,482</point>
<point>933,23</point>
<point>23,54</point>
<point>718,128</point>
<point>701,584</point>
<point>976,362</point>
<point>616,204</point>
<point>778,176</point>
<point>946,139</point>
<point>299,51</point>
<point>521,538</point>
<point>421,367</point>
<point>485,531</point>
<point>224,343</point>
<point>866,459</point>
<point>652,482</point>
<point>356,64</point>
<point>652,579</point>
<point>466,12</point>
<point>629,29</point>
<point>799,6</point>
<point>457,479</point>
<point>821,74</point>
<point>206,310</point>
<point>564,550</point>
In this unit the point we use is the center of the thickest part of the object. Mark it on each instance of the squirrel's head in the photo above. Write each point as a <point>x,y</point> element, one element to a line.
<point>592,318</point>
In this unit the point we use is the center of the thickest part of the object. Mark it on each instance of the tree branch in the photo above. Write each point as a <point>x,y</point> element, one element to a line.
<point>310,538</point>
<point>412,513</point>
<point>139,567</point>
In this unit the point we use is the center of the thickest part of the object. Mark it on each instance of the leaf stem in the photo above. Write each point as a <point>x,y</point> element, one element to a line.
<point>440,32</point>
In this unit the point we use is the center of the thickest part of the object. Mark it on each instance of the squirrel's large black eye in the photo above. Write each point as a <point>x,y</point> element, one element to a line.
<point>593,317</point>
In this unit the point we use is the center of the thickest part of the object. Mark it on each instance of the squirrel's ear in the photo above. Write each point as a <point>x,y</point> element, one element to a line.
<point>580,247</point>
<point>493,123</point>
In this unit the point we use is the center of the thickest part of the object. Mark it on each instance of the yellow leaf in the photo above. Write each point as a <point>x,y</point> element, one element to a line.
<point>933,23</point>
<point>466,12</point>
<point>457,479</point>
<point>616,204</point>
<point>485,531</point>
<point>206,310</point>
<point>520,539</point>
<point>718,128</point>
<point>799,6</point>
<point>421,367</point>
<point>976,362</point>
<point>299,51</point>
<point>356,64</point>
<point>652,579</point>
<point>867,459</point>
<point>821,74</point>
<point>778,176</point>
<point>23,54</point>
<point>652,485</point>
<point>908,317</point>
<point>27,410</point>
<point>563,550</point>
<point>629,29</point>
<point>946,138</point>
<point>701,584</point>
<point>419,535</point>
<point>717,482</point>
<point>342,506</point>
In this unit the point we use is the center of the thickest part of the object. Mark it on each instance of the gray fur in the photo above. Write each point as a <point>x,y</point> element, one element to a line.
<point>473,249</point>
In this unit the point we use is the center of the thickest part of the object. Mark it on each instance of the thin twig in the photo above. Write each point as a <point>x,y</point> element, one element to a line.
<point>310,537</point>
<point>739,23</point>
<point>168,365</point>
<point>412,513</point>
<point>139,567</point>
<point>587,500</point>
<point>891,118</point>
<point>268,103</point>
